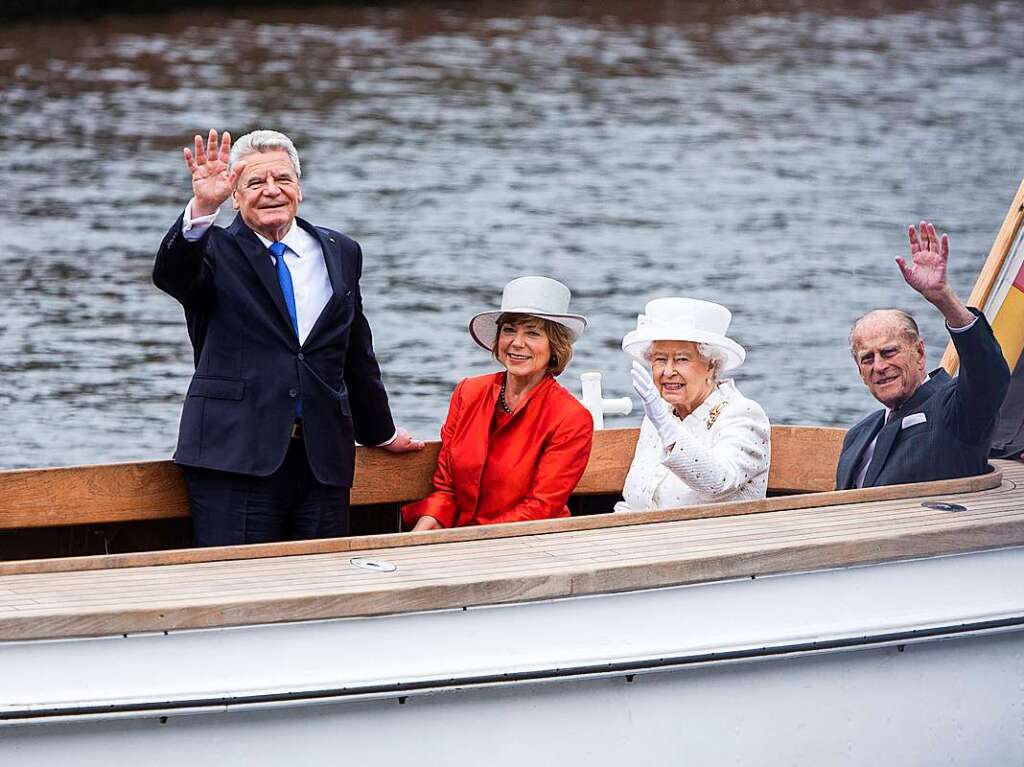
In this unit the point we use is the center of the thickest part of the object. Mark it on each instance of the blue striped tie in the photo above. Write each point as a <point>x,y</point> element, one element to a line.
<point>284,277</point>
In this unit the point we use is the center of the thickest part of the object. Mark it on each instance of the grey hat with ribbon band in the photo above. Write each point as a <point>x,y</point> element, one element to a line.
<point>537,296</point>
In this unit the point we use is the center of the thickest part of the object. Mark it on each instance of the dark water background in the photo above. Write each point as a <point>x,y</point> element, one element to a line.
<point>764,155</point>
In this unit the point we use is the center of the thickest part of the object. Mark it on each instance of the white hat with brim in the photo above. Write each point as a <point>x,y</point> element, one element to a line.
<point>684,319</point>
<point>536,296</point>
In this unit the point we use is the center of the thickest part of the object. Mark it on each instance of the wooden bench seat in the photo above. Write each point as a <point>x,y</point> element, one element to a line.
<point>803,460</point>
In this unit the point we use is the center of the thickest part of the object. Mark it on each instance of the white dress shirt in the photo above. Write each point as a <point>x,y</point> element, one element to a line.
<point>304,259</point>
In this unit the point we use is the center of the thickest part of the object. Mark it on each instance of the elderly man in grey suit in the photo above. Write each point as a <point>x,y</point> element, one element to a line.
<point>932,426</point>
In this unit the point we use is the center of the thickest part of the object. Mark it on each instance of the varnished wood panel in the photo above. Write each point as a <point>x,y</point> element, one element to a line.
<point>89,494</point>
<point>803,460</point>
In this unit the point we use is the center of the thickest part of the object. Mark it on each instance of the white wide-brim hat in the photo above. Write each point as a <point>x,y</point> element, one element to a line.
<point>536,296</point>
<point>684,319</point>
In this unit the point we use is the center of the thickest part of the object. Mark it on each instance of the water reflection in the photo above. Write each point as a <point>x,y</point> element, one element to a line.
<point>766,156</point>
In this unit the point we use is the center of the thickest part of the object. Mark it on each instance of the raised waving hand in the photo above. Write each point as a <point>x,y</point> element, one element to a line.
<point>929,255</point>
<point>926,273</point>
<point>212,180</point>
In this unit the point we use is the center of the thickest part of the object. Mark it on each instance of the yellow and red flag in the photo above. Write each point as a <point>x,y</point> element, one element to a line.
<point>999,291</point>
<point>1005,307</point>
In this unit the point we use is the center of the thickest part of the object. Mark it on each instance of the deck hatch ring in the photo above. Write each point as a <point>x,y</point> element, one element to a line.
<point>943,506</point>
<point>377,565</point>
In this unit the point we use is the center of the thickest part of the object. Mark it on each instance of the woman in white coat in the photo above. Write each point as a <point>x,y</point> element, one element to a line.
<point>701,440</point>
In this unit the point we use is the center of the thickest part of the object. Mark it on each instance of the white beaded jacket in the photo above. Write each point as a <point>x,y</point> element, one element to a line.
<point>722,455</point>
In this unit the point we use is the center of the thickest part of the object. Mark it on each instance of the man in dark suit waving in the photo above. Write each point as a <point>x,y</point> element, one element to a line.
<point>286,378</point>
<point>933,426</point>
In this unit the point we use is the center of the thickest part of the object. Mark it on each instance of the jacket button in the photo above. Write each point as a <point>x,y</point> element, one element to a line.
<point>293,393</point>
<point>301,356</point>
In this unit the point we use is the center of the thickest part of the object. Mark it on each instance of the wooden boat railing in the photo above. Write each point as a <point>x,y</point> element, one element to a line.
<point>803,460</point>
<point>801,476</point>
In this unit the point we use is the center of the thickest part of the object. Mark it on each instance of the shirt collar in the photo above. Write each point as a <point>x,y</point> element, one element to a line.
<point>927,378</point>
<point>291,239</point>
<point>718,394</point>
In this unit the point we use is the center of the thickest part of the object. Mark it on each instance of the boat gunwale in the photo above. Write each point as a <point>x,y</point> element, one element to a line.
<point>989,481</point>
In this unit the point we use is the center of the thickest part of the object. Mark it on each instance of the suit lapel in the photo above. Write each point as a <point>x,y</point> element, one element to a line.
<point>883,445</point>
<point>262,264</point>
<point>848,471</point>
<point>887,437</point>
<point>332,259</point>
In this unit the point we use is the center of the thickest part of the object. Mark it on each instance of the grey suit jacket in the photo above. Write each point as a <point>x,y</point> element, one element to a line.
<point>951,436</point>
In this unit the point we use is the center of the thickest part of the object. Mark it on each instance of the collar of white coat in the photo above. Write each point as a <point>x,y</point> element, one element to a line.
<point>723,392</point>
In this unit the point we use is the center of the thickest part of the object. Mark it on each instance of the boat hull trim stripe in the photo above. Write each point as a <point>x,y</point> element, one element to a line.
<point>15,716</point>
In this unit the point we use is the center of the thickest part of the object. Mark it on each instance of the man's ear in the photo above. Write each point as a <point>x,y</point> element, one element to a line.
<point>234,199</point>
<point>919,347</point>
<point>300,193</point>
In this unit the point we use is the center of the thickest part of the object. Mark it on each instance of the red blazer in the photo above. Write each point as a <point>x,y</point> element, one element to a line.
<point>525,468</point>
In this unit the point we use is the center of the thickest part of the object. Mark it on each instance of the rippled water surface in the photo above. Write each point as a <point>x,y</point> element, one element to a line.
<point>767,156</point>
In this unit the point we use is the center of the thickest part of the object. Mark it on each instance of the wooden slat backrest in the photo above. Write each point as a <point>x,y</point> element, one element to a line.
<point>803,460</point>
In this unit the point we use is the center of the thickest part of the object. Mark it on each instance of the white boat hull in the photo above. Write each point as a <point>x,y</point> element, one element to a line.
<point>909,662</point>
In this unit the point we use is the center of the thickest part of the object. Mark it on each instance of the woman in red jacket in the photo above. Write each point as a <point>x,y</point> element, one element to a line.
<point>515,443</point>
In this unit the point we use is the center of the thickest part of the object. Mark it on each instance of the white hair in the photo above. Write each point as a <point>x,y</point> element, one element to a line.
<point>264,141</point>
<point>713,355</point>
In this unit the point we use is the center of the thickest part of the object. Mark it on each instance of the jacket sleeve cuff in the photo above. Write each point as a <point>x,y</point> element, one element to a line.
<point>194,227</point>
<point>440,506</point>
<point>387,442</point>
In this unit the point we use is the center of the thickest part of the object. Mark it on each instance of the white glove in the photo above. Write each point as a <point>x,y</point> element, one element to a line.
<point>657,410</point>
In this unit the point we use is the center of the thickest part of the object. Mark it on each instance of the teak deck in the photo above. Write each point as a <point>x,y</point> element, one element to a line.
<point>512,563</point>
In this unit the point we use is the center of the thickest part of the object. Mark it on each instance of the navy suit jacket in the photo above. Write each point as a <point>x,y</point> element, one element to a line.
<point>959,414</point>
<point>250,368</point>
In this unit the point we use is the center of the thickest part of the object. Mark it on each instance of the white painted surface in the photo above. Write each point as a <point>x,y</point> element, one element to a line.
<point>954,701</point>
<point>597,404</point>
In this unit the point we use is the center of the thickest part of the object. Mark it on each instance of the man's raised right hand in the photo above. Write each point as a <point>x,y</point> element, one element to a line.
<point>212,181</point>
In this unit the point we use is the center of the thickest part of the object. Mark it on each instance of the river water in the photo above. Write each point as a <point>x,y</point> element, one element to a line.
<point>764,155</point>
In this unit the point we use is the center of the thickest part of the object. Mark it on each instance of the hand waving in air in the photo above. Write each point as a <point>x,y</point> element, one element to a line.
<point>212,181</point>
<point>927,273</point>
<point>929,255</point>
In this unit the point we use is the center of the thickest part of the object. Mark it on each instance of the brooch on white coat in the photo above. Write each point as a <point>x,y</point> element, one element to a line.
<point>715,412</point>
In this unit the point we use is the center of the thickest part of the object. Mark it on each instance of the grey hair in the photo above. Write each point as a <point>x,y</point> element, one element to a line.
<point>905,324</point>
<point>713,355</point>
<point>265,141</point>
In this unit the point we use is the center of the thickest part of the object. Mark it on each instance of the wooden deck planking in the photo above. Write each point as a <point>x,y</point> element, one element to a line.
<point>528,551</point>
<point>719,530</point>
<point>495,551</point>
<point>487,571</point>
